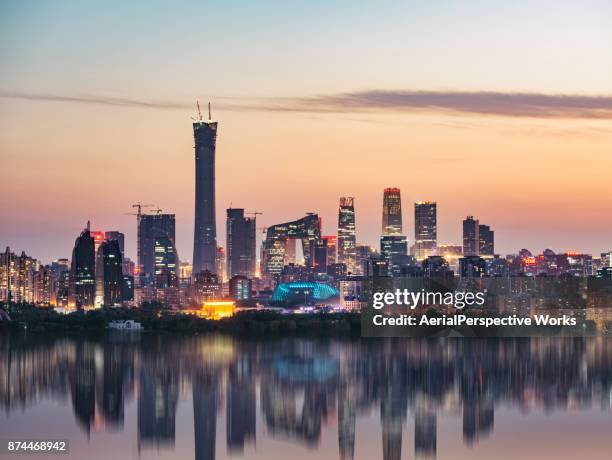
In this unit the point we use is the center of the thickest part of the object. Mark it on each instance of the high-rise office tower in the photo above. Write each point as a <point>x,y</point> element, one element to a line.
<point>241,244</point>
<point>394,248</point>
<point>332,243</point>
<point>319,256</point>
<point>346,249</point>
<point>43,285</point>
<point>240,287</point>
<point>205,231</point>
<point>82,270</point>
<point>109,274</point>
<point>150,228</point>
<point>425,229</point>
<point>221,264</point>
<point>486,241</point>
<point>471,237</point>
<point>364,252</point>
<point>120,237</point>
<point>307,229</point>
<point>392,212</point>
<point>166,263</point>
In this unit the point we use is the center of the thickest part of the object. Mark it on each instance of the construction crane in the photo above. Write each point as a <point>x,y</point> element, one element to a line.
<point>254,214</point>
<point>139,206</point>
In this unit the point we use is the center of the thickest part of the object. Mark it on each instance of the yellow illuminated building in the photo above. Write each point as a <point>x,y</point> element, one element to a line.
<point>215,309</point>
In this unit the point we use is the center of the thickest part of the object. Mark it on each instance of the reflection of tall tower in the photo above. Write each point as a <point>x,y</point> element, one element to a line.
<point>478,418</point>
<point>392,413</point>
<point>205,395</point>
<point>425,432</point>
<point>157,402</point>
<point>241,408</point>
<point>392,212</point>
<point>346,233</point>
<point>115,371</point>
<point>347,413</point>
<point>205,231</point>
<point>84,385</point>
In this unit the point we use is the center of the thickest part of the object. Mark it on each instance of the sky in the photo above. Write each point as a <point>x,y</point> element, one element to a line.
<point>500,110</point>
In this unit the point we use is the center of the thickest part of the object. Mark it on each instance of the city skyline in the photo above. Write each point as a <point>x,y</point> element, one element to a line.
<point>470,129</point>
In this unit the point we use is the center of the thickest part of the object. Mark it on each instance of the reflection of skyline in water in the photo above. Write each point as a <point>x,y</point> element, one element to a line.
<point>298,389</point>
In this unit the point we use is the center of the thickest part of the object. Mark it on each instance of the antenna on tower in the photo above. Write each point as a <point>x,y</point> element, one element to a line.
<point>199,111</point>
<point>209,117</point>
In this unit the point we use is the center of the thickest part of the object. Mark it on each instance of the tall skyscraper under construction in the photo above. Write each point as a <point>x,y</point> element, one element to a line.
<point>205,231</point>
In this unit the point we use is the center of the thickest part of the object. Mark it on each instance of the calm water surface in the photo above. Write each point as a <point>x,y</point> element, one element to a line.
<point>166,397</point>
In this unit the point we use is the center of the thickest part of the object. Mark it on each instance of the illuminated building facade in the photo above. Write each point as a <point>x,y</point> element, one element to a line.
<point>152,227</point>
<point>352,297</point>
<point>82,271</point>
<point>205,230</point>
<point>17,277</point>
<point>471,237</point>
<point>472,267</point>
<point>451,253</point>
<point>425,229</point>
<point>306,229</point>
<point>332,243</point>
<point>394,248</point>
<point>166,262</point>
<point>241,244</point>
<point>486,246</point>
<point>43,286</point>
<point>392,212</point>
<point>346,233</point>
<point>221,264</point>
<point>363,253</point>
<point>109,275</point>
<point>206,287</point>
<point>320,256</point>
<point>214,310</point>
<point>304,291</point>
<point>240,288</point>
<point>579,264</point>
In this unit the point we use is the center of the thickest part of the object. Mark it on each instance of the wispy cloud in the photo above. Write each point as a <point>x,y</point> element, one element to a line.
<point>94,99</point>
<point>536,105</point>
<point>530,105</point>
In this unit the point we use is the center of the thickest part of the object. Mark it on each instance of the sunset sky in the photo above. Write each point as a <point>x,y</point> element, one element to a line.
<point>501,110</point>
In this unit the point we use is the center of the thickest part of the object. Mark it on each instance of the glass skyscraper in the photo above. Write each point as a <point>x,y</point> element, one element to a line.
<point>109,275</point>
<point>425,229</point>
<point>486,241</point>
<point>307,229</point>
<point>392,212</point>
<point>150,228</point>
<point>241,245</point>
<point>205,231</point>
<point>82,271</point>
<point>471,237</point>
<point>346,249</point>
